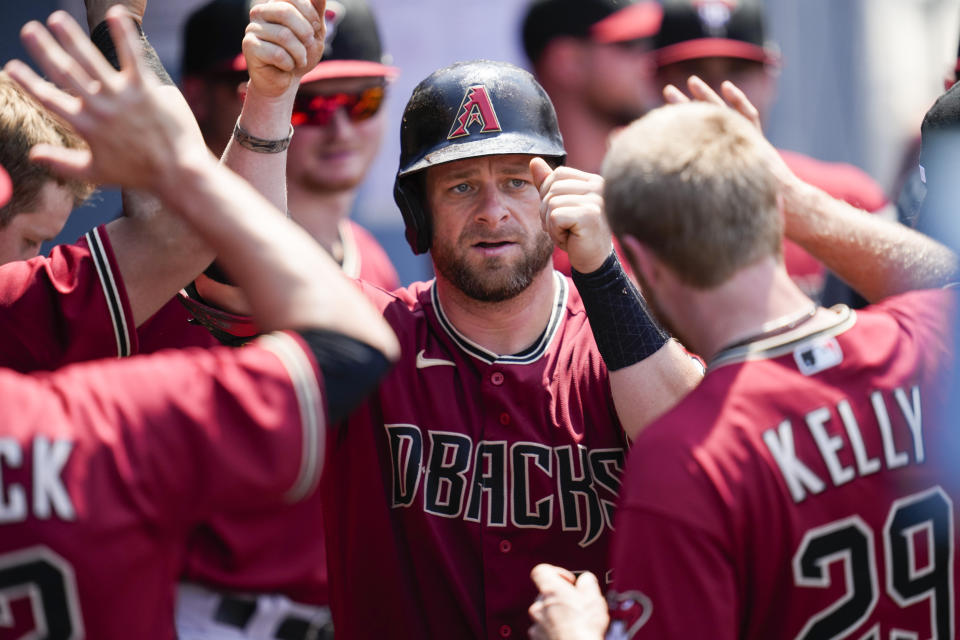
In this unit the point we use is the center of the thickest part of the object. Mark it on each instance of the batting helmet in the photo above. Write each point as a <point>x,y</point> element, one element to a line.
<point>468,110</point>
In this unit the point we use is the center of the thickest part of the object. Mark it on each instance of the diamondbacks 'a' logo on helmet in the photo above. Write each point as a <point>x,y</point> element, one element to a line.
<point>332,16</point>
<point>476,108</point>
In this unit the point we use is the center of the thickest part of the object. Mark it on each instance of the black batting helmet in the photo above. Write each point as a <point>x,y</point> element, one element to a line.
<point>467,110</point>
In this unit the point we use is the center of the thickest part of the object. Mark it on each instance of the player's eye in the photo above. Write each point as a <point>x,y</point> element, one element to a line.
<point>463,187</point>
<point>518,183</point>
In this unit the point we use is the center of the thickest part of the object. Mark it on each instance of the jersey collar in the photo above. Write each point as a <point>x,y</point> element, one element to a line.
<point>532,354</point>
<point>777,346</point>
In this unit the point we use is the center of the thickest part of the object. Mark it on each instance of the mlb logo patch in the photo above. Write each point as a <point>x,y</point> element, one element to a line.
<point>818,355</point>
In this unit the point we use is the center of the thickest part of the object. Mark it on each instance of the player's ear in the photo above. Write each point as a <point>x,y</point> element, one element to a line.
<point>637,255</point>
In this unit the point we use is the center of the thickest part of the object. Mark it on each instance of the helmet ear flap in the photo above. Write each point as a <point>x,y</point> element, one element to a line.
<point>409,197</point>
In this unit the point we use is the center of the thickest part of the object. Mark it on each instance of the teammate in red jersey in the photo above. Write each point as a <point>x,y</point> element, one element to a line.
<point>337,117</point>
<point>718,40</point>
<point>802,489</point>
<point>122,460</point>
<point>497,442</point>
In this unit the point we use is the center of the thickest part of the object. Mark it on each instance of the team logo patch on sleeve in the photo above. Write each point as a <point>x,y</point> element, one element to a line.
<point>476,109</point>
<point>629,611</point>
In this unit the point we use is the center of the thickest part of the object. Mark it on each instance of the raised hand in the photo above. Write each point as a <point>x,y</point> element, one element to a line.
<point>571,211</point>
<point>284,40</point>
<point>137,130</point>
<point>733,97</point>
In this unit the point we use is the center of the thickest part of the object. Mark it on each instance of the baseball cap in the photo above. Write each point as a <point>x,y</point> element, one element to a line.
<point>6,187</point>
<point>603,21</point>
<point>214,41</point>
<point>693,29</point>
<point>213,36</point>
<point>353,48</point>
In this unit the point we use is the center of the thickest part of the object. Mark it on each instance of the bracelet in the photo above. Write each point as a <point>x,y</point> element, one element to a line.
<point>260,145</point>
<point>622,327</point>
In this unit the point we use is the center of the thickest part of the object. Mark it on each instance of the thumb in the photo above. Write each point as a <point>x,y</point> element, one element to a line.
<point>540,170</point>
<point>587,583</point>
<point>547,576</point>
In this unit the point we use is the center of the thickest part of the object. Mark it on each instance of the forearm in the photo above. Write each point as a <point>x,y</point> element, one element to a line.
<point>292,284</point>
<point>646,390</point>
<point>267,118</point>
<point>876,257</point>
<point>157,253</point>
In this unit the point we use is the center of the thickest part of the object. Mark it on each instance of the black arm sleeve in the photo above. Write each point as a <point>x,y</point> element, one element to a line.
<point>351,369</point>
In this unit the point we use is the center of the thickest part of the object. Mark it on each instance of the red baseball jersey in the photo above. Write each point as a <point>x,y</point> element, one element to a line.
<point>464,471</point>
<point>806,489</point>
<point>72,306</point>
<point>842,181</point>
<point>108,466</point>
<point>364,258</point>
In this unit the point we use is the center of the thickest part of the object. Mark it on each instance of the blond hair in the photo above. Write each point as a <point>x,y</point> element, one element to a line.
<point>23,124</point>
<point>691,182</point>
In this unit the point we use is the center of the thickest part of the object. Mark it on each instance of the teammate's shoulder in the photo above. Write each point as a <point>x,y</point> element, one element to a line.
<point>839,179</point>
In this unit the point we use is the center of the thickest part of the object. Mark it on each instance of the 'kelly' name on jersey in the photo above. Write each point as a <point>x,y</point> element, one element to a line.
<point>887,408</point>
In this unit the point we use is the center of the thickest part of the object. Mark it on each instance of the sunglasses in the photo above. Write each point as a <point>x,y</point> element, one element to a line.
<point>319,109</point>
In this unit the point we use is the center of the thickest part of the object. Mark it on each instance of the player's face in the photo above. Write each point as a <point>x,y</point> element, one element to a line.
<point>619,85</point>
<point>335,156</point>
<point>28,229</point>
<point>487,237</point>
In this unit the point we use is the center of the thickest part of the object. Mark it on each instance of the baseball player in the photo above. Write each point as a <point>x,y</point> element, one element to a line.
<point>720,40</point>
<point>497,441</point>
<point>88,300</point>
<point>806,488</point>
<point>337,118</point>
<point>122,460</point>
<point>593,59</point>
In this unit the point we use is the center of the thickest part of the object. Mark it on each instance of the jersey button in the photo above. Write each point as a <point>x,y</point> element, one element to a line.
<point>505,546</point>
<point>504,419</point>
<point>496,378</point>
<point>505,631</point>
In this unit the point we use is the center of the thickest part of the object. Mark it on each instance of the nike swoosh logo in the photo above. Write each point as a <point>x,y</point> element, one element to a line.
<point>423,363</point>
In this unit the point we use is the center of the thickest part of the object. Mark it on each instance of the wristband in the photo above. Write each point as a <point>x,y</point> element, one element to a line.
<point>260,145</point>
<point>622,326</point>
<point>100,36</point>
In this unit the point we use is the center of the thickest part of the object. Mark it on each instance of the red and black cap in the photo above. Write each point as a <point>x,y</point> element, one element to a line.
<point>214,35</point>
<point>603,21</point>
<point>693,29</point>
<point>6,187</point>
<point>353,48</point>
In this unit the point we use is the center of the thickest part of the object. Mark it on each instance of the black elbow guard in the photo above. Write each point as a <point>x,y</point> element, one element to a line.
<point>351,369</point>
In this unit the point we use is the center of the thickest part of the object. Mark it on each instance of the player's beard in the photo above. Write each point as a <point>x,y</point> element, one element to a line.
<point>494,281</point>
